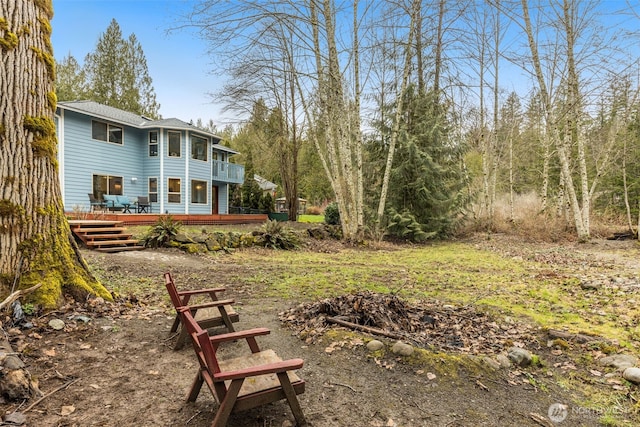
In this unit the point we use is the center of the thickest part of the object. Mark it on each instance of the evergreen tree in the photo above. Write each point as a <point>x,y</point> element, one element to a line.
<point>426,194</point>
<point>117,74</point>
<point>251,191</point>
<point>141,80</point>
<point>70,79</point>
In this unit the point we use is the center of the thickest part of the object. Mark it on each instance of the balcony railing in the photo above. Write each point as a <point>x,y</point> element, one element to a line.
<point>228,172</point>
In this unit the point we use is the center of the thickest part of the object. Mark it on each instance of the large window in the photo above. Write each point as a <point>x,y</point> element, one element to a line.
<point>198,148</point>
<point>199,192</point>
<point>173,194</point>
<point>153,143</point>
<point>106,184</point>
<point>153,190</point>
<point>106,132</point>
<point>174,144</point>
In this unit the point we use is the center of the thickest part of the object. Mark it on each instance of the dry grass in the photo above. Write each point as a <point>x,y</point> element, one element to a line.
<point>529,221</point>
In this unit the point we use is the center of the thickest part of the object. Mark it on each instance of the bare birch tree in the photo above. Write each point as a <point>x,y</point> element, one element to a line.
<point>562,125</point>
<point>327,82</point>
<point>415,15</point>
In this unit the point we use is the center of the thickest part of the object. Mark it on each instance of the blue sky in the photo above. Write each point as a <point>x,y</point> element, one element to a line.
<point>178,63</point>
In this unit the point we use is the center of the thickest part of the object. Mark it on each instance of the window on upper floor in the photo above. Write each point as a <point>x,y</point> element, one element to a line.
<point>198,148</point>
<point>153,143</point>
<point>199,192</point>
<point>174,191</point>
<point>175,144</point>
<point>106,132</point>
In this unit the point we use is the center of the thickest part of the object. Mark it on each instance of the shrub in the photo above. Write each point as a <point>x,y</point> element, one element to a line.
<point>403,225</point>
<point>332,214</point>
<point>266,203</point>
<point>313,210</point>
<point>276,235</point>
<point>160,233</point>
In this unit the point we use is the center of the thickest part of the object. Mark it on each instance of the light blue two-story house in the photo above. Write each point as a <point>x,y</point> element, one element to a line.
<point>107,151</point>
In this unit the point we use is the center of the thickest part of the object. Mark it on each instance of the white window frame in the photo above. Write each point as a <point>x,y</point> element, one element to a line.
<point>194,186</point>
<point>200,139</point>
<point>108,133</point>
<point>118,191</point>
<point>169,152</point>
<point>170,193</point>
<point>152,143</point>
<point>150,193</point>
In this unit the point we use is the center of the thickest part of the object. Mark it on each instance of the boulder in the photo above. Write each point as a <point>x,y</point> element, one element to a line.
<point>519,356</point>
<point>619,361</point>
<point>375,345</point>
<point>402,349</point>
<point>632,375</point>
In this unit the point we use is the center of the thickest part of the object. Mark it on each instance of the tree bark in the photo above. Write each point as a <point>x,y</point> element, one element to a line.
<point>36,244</point>
<point>398,116</point>
<point>551,128</point>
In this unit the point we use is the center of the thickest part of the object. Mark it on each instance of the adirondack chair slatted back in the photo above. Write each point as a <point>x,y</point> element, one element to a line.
<point>270,378</point>
<point>218,312</point>
<point>180,301</point>
<point>173,291</point>
<point>201,343</point>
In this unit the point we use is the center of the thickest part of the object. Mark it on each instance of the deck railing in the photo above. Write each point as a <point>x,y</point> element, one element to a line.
<point>228,172</point>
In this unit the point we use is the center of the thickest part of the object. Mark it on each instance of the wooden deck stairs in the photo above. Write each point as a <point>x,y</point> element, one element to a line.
<point>104,236</point>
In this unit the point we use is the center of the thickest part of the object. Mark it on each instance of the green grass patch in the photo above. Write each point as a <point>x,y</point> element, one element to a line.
<point>311,218</point>
<point>454,273</point>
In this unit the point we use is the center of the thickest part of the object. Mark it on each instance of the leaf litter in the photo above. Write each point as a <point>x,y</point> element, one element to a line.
<point>430,324</point>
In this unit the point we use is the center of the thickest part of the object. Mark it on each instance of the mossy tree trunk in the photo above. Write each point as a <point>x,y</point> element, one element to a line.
<point>36,245</point>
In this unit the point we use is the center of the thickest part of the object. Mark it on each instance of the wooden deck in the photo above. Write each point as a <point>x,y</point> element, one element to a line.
<point>134,219</point>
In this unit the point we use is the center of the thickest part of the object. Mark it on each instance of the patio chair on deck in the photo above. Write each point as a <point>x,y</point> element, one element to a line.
<point>95,203</point>
<point>144,205</point>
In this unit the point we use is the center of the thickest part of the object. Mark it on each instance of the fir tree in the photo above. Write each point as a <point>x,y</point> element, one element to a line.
<point>426,191</point>
<point>118,76</point>
<point>70,79</point>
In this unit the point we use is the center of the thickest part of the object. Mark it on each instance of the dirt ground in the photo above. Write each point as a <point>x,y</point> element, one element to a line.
<point>120,369</point>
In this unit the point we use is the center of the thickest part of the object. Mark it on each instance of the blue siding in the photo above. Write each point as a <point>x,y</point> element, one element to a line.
<point>150,168</point>
<point>223,198</point>
<point>84,157</point>
<point>174,167</point>
<point>201,171</point>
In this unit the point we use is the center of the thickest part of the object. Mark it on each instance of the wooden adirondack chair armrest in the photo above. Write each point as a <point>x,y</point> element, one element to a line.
<point>208,304</point>
<point>232,336</point>
<point>201,291</point>
<point>270,368</point>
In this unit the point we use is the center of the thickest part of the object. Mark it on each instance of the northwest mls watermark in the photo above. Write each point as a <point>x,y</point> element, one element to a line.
<point>559,412</point>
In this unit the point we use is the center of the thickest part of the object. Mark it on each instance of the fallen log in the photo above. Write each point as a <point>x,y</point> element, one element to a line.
<point>363,328</point>
<point>17,294</point>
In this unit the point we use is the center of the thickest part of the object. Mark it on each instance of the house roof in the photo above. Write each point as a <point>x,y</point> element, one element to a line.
<point>117,115</point>
<point>221,147</point>
<point>264,184</point>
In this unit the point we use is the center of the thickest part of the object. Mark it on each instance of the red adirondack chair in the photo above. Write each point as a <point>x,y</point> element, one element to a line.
<point>242,382</point>
<point>209,315</point>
